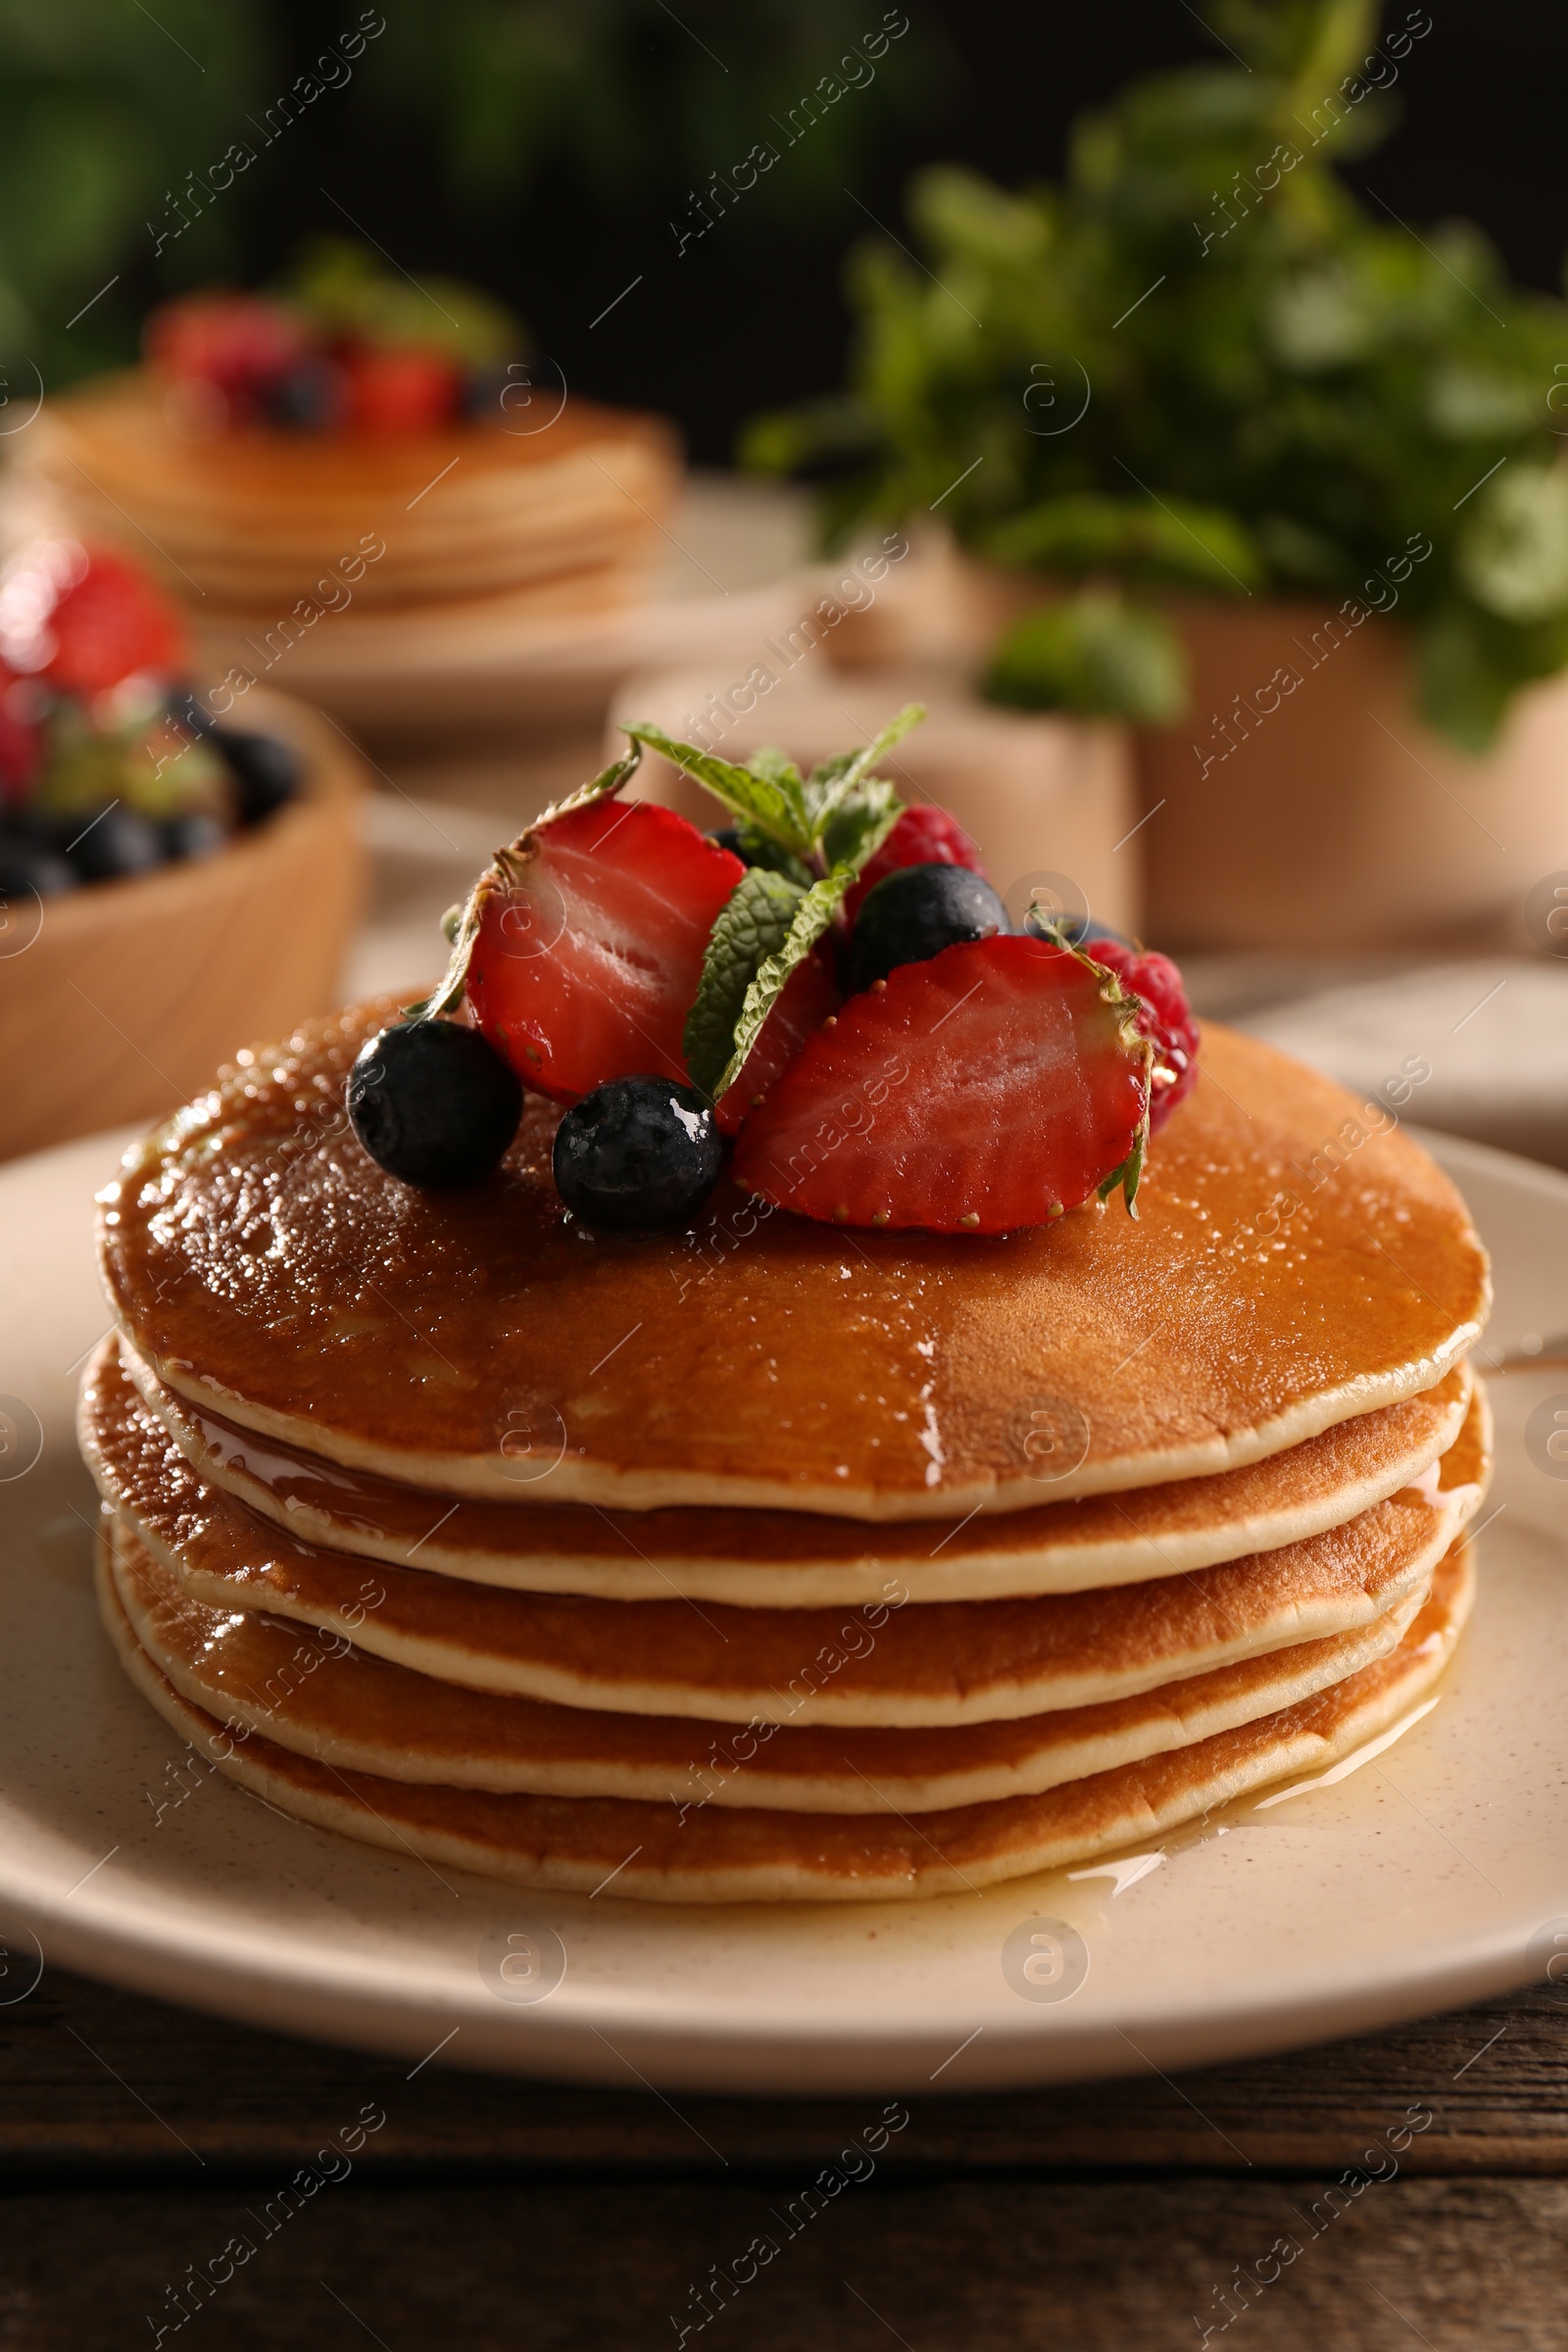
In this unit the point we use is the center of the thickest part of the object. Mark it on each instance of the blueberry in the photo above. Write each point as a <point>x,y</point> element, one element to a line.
<point>116,843</point>
<point>307,398</point>
<point>194,835</point>
<point>266,771</point>
<point>188,711</point>
<point>1074,929</point>
<point>637,1154</point>
<point>29,864</point>
<point>753,847</point>
<point>432,1103</point>
<point>484,394</point>
<point>916,913</point>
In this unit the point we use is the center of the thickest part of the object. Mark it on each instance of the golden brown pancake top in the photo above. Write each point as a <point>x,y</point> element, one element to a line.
<point>1289,1269</point>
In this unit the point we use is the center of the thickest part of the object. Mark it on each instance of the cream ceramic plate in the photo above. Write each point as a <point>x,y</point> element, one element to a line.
<point>1434,1872</point>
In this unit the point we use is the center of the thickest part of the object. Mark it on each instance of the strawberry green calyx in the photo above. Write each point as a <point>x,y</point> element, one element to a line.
<point>1129,1175</point>
<point>461,925</point>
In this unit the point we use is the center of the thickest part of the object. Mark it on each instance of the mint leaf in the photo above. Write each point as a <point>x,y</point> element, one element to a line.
<point>836,779</point>
<point>774,801</point>
<point>1172,542</point>
<point>752,925</point>
<point>812,915</point>
<point>854,832</point>
<point>770,795</point>
<point>775,764</point>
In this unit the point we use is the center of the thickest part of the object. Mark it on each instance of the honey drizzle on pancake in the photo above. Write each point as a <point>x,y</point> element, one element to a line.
<point>294,1286</point>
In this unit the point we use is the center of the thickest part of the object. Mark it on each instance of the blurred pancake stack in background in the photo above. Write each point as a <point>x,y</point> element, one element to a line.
<point>267,524</point>
<point>354,477</point>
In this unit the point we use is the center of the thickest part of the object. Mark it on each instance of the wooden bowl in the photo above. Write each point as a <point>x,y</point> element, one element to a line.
<point>119,1000</point>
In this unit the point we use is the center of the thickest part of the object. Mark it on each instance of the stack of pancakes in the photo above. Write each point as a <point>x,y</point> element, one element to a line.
<point>772,1559</point>
<point>558,519</point>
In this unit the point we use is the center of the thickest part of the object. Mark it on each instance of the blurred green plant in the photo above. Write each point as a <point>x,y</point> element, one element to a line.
<point>103,113</point>
<point>635,98</point>
<point>113,116</point>
<point>1096,653</point>
<point>344,289</point>
<point>1202,363</point>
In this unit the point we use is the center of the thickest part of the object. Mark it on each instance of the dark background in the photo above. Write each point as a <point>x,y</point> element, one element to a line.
<point>752,316</point>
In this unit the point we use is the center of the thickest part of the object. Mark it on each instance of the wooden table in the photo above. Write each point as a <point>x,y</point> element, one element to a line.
<point>138,2140</point>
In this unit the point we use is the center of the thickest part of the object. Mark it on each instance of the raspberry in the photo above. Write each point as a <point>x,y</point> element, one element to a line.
<point>923,836</point>
<point>1164,1015</point>
<point>239,344</point>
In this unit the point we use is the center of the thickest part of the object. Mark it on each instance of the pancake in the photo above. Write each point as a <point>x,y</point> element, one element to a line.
<point>795,1559</point>
<point>888,1665</point>
<point>258,520</point>
<point>483,1344</point>
<point>714,1853</point>
<point>325,1699</point>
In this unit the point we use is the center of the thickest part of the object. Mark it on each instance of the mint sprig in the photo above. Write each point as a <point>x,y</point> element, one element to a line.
<point>836,781</point>
<point>819,832</point>
<point>814,912</point>
<point>750,929</point>
<point>770,792</point>
<point>770,795</point>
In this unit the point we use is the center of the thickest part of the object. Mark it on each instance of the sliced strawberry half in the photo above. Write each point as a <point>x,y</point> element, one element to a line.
<point>591,942</point>
<point>991,1087</point>
<point>809,996</point>
<point>1164,1016</point>
<point>112,622</point>
<point>396,392</point>
<point>923,836</point>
